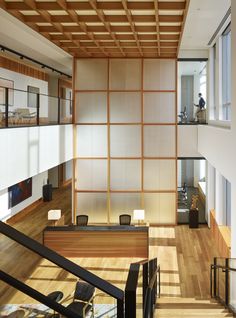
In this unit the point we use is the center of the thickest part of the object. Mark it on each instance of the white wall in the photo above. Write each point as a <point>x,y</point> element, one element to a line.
<point>21,82</point>
<point>28,151</point>
<point>218,144</point>
<point>193,54</point>
<point>37,183</point>
<point>188,141</point>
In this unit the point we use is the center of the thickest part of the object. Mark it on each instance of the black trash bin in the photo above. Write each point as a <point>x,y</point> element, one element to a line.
<point>47,192</point>
<point>193,218</point>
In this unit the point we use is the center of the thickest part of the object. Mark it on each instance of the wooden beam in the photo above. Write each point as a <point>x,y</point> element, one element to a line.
<point>157,26</point>
<point>132,25</point>
<point>138,5</point>
<point>106,18</point>
<point>107,26</point>
<point>84,28</point>
<point>183,24</point>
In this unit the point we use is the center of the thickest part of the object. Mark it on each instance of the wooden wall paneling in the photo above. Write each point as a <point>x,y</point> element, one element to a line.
<point>22,68</point>
<point>64,83</point>
<point>98,243</point>
<point>221,235</point>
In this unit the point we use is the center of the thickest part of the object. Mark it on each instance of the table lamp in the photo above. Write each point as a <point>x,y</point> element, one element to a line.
<point>54,215</point>
<point>139,215</point>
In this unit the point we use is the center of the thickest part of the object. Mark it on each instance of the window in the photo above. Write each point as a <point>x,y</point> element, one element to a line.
<point>226,74</point>
<point>214,95</point>
<point>228,202</point>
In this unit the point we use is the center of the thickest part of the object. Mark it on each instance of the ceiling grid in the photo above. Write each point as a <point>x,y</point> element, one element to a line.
<point>117,28</point>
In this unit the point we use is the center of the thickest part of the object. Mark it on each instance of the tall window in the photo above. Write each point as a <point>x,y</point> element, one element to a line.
<point>226,74</point>
<point>214,95</point>
<point>228,202</point>
<point>203,81</point>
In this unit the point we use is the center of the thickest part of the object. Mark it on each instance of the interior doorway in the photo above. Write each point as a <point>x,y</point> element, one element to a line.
<point>192,80</point>
<point>191,181</point>
<point>60,175</point>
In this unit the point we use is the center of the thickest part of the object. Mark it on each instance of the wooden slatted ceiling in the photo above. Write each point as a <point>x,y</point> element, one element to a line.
<point>106,28</point>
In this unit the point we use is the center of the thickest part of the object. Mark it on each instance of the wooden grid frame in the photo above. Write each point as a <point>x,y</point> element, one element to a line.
<point>108,124</point>
<point>106,29</point>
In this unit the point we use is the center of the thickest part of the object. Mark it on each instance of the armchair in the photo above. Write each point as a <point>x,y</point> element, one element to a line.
<point>83,299</point>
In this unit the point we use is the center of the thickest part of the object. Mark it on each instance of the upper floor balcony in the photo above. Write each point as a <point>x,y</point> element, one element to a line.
<point>19,108</point>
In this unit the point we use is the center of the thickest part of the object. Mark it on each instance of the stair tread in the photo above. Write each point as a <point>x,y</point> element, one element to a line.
<point>189,307</point>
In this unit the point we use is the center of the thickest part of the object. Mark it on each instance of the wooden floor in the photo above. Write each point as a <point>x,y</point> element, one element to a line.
<point>184,255</point>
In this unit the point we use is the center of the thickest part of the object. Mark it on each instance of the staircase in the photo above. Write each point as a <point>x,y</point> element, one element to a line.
<point>190,308</point>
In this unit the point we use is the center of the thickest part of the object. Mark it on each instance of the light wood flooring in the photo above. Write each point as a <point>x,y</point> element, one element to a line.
<point>184,255</point>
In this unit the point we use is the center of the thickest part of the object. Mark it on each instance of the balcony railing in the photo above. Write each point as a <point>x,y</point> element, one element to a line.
<point>19,108</point>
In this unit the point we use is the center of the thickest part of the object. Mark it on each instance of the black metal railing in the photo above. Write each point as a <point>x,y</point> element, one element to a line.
<point>149,271</point>
<point>126,301</point>
<point>19,108</point>
<point>222,274</point>
<point>37,295</point>
<point>62,262</point>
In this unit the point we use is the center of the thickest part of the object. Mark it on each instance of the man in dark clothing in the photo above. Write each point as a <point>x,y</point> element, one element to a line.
<point>201,103</point>
<point>201,112</point>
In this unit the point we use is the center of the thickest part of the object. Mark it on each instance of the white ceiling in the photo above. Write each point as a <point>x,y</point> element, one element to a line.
<point>204,17</point>
<point>17,36</point>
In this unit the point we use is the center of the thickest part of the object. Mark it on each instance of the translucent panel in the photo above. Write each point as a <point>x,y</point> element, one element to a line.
<point>159,108</point>
<point>125,74</point>
<point>160,208</point>
<point>159,175</point>
<point>92,141</point>
<point>159,141</point>
<point>92,174</point>
<point>125,141</point>
<point>125,107</point>
<point>124,203</point>
<point>159,74</point>
<point>94,205</point>
<point>91,74</point>
<point>91,107</point>
<point>125,174</point>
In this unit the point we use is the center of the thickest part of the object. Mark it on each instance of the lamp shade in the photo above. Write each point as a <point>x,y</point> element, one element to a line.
<point>138,214</point>
<point>54,214</point>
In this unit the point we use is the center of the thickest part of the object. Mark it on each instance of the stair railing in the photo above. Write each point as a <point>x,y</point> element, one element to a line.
<point>150,271</point>
<point>126,300</point>
<point>220,280</point>
<point>62,262</point>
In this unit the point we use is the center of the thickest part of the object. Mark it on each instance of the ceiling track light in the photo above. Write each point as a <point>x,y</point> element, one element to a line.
<point>21,56</point>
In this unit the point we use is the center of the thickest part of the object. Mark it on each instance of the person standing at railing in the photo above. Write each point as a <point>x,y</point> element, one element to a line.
<point>201,105</point>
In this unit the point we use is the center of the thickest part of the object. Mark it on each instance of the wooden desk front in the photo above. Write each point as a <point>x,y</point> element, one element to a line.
<point>98,241</point>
